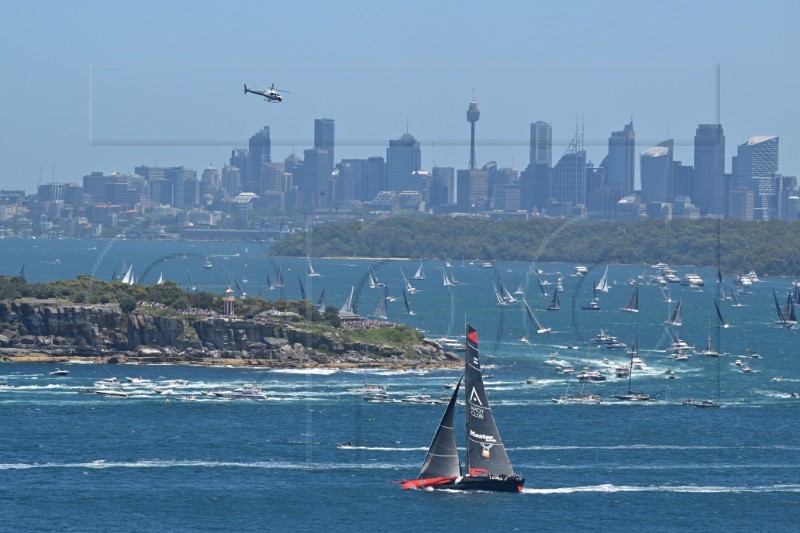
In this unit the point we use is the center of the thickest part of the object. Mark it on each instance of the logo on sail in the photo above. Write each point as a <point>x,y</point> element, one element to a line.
<point>481,436</point>
<point>485,452</point>
<point>474,398</point>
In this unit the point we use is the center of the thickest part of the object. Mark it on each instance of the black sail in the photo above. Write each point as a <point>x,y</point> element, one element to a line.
<point>485,451</point>
<point>442,459</point>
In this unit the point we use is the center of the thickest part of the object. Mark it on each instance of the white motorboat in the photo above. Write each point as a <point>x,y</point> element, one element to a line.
<point>59,372</point>
<point>247,392</point>
<point>114,393</point>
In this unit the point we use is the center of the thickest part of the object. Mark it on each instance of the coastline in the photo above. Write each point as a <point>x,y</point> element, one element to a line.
<point>25,356</point>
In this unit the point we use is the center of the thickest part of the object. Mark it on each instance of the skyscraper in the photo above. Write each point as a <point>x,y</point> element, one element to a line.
<point>541,143</point>
<point>403,158</point>
<point>472,117</point>
<point>569,175</point>
<point>324,138</point>
<point>708,187</point>
<point>754,169</point>
<point>620,162</point>
<point>260,151</point>
<point>656,172</point>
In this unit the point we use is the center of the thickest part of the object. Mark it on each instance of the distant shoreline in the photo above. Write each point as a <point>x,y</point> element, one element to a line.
<point>122,359</point>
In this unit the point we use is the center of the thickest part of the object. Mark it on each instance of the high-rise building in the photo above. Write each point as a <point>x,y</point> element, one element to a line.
<point>472,190</point>
<point>314,185</point>
<point>620,162</point>
<point>403,158</point>
<point>239,160</point>
<point>569,175</point>
<point>708,185</point>
<point>754,168</point>
<point>473,114</point>
<point>259,152</point>
<point>656,166</point>
<point>374,179</point>
<point>178,177</point>
<point>324,138</point>
<point>442,189</point>
<point>541,144</point>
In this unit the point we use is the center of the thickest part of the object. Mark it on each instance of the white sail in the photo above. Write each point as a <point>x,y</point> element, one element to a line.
<point>128,278</point>
<point>347,310</point>
<point>539,328</point>
<point>310,272</point>
<point>500,299</point>
<point>602,285</point>
<point>408,287</point>
<point>160,279</point>
<point>420,274</point>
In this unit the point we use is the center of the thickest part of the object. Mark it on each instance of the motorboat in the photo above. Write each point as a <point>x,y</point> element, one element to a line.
<point>115,392</point>
<point>579,398</point>
<point>531,381</point>
<point>248,392</point>
<point>590,375</point>
<point>448,343</point>
<point>581,270</point>
<point>59,372</point>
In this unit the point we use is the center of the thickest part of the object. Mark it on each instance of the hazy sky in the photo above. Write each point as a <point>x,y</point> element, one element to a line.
<point>107,86</point>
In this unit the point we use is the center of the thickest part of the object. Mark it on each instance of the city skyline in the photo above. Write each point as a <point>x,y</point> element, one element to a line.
<point>145,94</point>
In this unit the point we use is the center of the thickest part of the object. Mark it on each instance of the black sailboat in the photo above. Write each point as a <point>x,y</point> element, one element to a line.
<point>487,464</point>
<point>633,304</point>
<point>555,305</point>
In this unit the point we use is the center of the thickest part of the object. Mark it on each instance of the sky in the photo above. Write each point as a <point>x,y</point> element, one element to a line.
<point>107,86</point>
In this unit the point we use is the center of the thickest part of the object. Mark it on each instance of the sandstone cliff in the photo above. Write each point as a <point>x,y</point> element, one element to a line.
<point>105,332</point>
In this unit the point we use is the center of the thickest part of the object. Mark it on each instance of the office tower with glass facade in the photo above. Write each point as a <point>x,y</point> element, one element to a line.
<point>708,184</point>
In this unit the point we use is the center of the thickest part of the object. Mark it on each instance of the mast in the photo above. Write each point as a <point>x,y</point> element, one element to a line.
<point>485,451</point>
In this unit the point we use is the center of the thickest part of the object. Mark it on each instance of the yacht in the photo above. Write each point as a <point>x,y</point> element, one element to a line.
<point>249,392</point>
<point>579,398</point>
<point>581,270</point>
<point>692,280</point>
<point>590,375</point>
<point>622,371</point>
<point>448,343</point>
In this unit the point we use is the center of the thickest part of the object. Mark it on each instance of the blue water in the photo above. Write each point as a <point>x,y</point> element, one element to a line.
<point>80,462</point>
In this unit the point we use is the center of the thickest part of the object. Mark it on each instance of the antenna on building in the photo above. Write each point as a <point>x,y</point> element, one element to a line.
<point>53,174</point>
<point>718,117</point>
<point>433,154</point>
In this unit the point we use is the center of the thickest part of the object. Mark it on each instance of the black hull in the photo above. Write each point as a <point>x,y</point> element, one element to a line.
<point>511,483</point>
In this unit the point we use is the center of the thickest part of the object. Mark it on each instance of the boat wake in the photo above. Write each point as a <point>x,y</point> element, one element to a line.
<point>155,463</point>
<point>609,488</point>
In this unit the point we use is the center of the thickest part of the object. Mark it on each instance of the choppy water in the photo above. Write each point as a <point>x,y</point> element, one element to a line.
<point>189,461</point>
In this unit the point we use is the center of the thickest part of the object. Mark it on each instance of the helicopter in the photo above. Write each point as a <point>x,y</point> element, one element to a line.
<point>271,95</point>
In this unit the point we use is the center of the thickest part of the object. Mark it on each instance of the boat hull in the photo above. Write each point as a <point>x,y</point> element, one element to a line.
<point>511,483</point>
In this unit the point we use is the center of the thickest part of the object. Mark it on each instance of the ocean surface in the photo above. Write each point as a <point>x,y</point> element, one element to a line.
<point>187,460</point>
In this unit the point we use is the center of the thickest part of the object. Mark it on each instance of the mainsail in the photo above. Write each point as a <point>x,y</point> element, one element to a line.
<point>555,305</point>
<point>408,306</point>
<point>675,318</point>
<point>633,304</point>
<point>722,322</point>
<point>442,458</point>
<point>602,285</point>
<point>539,327</point>
<point>321,301</point>
<point>420,275</point>
<point>380,311</point>
<point>310,272</point>
<point>348,309</point>
<point>302,289</point>
<point>485,451</point>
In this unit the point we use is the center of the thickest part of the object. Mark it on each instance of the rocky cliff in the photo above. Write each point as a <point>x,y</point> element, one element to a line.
<point>104,331</point>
